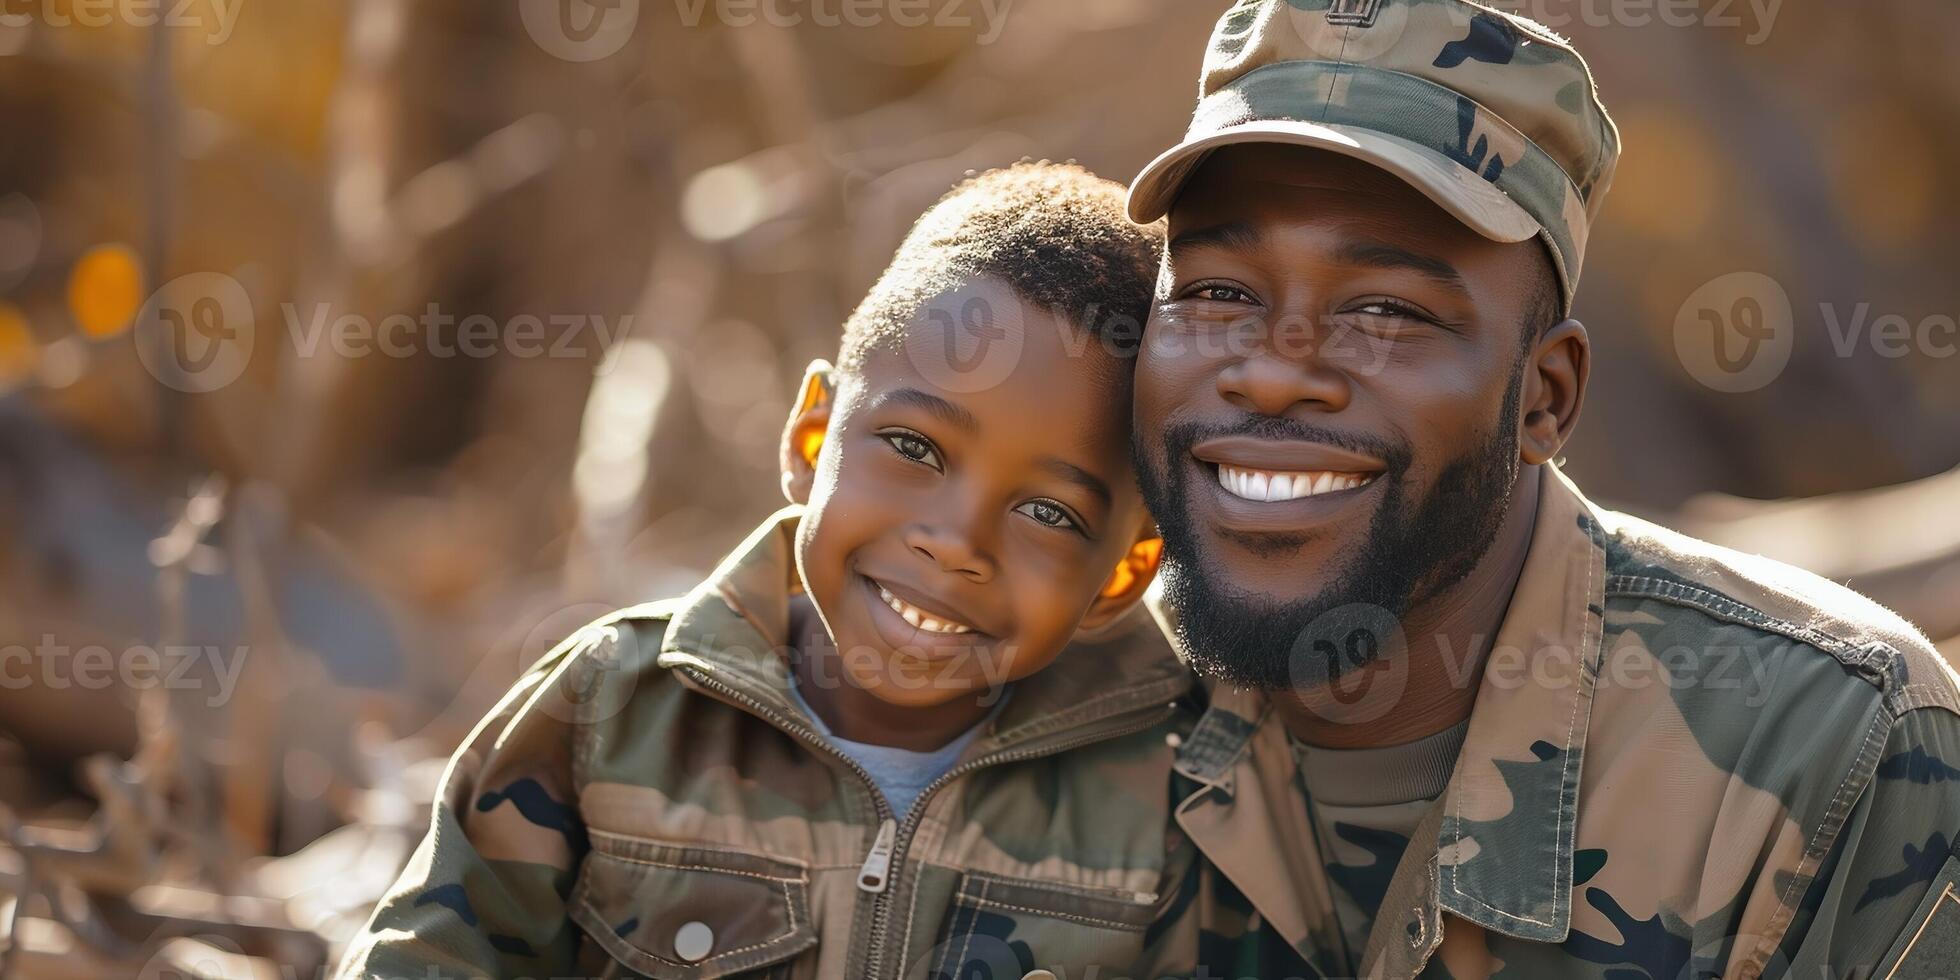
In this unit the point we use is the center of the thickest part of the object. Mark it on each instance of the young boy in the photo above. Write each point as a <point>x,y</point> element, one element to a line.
<point>859,749</point>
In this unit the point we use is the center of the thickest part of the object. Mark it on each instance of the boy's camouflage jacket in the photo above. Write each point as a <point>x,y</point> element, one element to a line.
<point>1683,762</point>
<point>649,801</point>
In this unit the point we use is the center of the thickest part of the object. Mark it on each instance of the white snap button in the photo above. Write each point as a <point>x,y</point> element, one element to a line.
<point>1038,975</point>
<point>693,941</point>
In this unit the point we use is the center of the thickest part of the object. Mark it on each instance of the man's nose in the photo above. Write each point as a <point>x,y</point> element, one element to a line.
<point>1269,384</point>
<point>954,549</point>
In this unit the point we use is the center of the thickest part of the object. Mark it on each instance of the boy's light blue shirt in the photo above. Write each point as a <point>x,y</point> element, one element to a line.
<point>899,774</point>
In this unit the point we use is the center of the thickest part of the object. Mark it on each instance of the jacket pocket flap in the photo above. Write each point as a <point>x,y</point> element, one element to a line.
<point>1109,908</point>
<point>675,912</point>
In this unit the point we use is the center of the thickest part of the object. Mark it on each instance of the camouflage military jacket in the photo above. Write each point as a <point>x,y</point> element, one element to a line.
<point>648,800</point>
<point>1682,762</point>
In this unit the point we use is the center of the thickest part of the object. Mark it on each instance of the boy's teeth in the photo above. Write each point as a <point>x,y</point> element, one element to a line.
<point>918,617</point>
<point>1270,485</point>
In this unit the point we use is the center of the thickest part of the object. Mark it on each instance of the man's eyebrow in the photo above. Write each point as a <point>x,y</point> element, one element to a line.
<point>938,407</point>
<point>1237,235</point>
<point>1385,256</point>
<point>1080,477</point>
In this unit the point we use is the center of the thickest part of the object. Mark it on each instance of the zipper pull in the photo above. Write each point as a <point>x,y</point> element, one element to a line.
<point>878,864</point>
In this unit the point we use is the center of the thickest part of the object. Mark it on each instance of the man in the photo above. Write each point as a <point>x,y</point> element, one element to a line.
<point>1462,721</point>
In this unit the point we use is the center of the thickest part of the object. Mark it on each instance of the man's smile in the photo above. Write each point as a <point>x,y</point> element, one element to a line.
<point>1275,485</point>
<point>1272,486</point>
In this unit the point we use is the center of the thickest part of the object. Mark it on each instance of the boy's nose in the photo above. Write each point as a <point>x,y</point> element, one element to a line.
<point>952,550</point>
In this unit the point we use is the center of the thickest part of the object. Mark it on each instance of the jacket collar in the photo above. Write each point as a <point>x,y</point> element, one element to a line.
<point>734,627</point>
<point>1512,800</point>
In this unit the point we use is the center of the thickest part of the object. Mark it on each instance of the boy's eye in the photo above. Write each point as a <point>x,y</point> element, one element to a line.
<point>912,446</point>
<point>1219,292</point>
<point>1048,514</point>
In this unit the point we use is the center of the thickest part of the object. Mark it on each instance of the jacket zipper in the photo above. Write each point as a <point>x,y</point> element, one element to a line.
<point>881,911</point>
<point>889,846</point>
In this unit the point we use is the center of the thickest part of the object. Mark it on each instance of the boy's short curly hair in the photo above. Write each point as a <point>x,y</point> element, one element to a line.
<point>1055,233</point>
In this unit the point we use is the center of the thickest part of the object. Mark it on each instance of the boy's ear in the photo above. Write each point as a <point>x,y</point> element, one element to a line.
<point>1128,582</point>
<point>809,417</point>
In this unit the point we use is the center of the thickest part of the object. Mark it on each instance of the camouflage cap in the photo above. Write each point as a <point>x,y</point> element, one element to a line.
<point>1490,115</point>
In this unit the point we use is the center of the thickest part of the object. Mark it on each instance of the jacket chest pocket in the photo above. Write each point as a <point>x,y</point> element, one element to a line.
<point>688,913</point>
<point>1007,928</point>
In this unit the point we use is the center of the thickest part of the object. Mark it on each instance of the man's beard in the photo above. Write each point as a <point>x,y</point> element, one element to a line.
<point>1414,549</point>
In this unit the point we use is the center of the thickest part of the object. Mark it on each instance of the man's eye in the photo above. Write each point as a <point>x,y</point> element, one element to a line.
<point>912,446</point>
<point>1048,514</point>
<point>1391,308</point>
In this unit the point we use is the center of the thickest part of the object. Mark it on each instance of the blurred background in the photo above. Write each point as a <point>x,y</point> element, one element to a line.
<point>352,353</point>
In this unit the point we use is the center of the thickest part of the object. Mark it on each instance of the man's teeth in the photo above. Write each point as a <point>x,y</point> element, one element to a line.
<point>1273,485</point>
<point>918,617</point>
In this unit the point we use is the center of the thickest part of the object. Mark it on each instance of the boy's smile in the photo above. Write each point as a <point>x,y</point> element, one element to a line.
<point>918,615</point>
<point>957,539</point>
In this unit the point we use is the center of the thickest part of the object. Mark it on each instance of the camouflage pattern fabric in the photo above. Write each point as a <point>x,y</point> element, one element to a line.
<point>1365,805</point>
<point>1491,115</point>
<point>1682,762</point>
<point>648,801</point>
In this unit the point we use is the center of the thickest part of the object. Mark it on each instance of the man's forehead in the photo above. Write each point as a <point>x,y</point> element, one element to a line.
<point>1254,186</point>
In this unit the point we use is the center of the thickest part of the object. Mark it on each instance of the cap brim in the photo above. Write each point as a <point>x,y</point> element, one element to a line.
<point>1471,199</point>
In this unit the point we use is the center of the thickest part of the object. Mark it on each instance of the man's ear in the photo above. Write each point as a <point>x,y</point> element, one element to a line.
<point>809,418</point>
<point>1554,390</point>
<point>1128,582</point>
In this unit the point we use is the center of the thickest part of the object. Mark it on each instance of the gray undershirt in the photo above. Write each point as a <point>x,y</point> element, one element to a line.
<point>1365,803</point>
<point>899,774</point>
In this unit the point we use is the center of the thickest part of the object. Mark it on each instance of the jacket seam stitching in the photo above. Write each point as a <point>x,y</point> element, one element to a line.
<point>972,926</point>
<point>992,903</point>
<point>1560,896</point>
<point>1862,768</point>
<point>678,866</point>
<point>704,846</point>
<point>1055,723</point>
<point>789,905</point>
<point>911,913</point>
<point>1719,606</point>
<point>1222,778</point>
<point>1916,697</point>
<point>1092,893</point>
